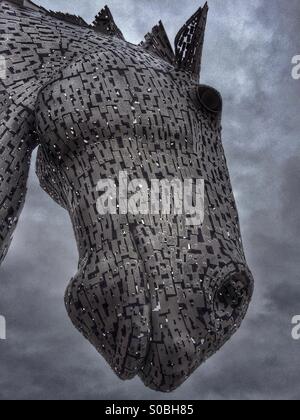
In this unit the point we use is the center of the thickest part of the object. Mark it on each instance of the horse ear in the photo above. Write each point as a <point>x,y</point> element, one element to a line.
<point>189,43</point>
<point>158,43</point>
<point>104,23</point>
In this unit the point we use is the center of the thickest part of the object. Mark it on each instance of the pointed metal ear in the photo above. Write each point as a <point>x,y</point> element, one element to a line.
<point>158,43</point>
<point>189,43</point>
<point>104,22</point>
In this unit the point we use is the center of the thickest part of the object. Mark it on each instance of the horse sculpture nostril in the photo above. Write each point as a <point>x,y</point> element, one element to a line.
<point>232,296</point>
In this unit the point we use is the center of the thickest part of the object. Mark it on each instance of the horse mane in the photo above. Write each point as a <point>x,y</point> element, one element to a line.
<point>188,43</point>
<point>103,23</point>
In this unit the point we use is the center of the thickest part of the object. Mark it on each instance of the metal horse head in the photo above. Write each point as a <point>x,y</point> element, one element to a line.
<point>154,293</point>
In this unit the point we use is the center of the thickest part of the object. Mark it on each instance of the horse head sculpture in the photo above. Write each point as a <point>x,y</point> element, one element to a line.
<point>155,294</point>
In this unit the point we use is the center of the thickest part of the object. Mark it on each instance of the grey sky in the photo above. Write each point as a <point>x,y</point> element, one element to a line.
<point>248,52</point>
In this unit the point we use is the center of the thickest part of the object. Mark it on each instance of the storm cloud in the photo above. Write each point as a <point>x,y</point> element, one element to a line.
<point>248,51</point>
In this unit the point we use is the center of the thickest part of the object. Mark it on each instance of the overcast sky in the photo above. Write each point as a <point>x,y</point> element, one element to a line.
<point>248,51</point>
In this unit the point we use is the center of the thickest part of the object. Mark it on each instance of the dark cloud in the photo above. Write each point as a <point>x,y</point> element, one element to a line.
<point>249,47</point>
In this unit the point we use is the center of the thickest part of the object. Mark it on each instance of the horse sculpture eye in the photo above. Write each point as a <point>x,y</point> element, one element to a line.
<point>210,98</point>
